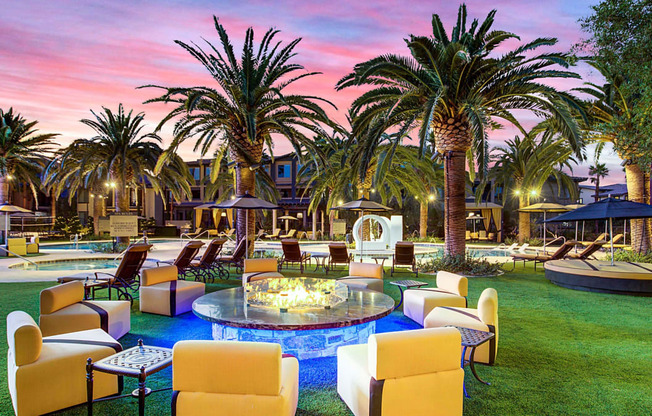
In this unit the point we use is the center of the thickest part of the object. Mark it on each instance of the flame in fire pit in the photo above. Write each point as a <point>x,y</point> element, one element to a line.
<point>295,293</point>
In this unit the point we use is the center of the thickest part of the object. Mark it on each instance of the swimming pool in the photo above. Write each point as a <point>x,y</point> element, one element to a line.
<point>71,264</point>
<point>90,245</point>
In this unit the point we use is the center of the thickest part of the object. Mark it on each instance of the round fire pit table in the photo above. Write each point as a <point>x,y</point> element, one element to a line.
<point>303,332</point>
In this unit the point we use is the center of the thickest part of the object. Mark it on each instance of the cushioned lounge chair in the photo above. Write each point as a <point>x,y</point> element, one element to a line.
<point>483,318</point>
<point>233,378</point>
<point>46,374</point>
<point>290,234</point>
<point>292,254</point>
<point>588,250</point>
<point>234,259</point>
<point>275,235</point>
<point>403,373</point>
<point>162,293</point>
<point>185,257</point>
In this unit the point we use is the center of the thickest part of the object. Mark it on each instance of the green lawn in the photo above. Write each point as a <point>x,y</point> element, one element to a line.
<point>561,352</point>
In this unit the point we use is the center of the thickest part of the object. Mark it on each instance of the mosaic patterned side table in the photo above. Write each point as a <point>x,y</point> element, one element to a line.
<point>472,338</point>
<point>406,284</point>
<point>138,362</point>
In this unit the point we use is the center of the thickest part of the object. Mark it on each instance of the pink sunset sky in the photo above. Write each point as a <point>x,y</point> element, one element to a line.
<point>62,58</point>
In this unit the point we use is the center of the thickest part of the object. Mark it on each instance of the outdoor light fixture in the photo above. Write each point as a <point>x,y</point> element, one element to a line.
<point>373,190</point>
<point>9,177</point>
<point>517,192</point>
<point>92,196</point>
<point>340,202</point>
<point>533,192</point>
<point>232,196</point>
<point>431,197</point>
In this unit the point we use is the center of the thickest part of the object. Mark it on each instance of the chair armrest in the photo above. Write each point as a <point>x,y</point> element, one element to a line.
<point>168,262</point>
<point>110,278</point>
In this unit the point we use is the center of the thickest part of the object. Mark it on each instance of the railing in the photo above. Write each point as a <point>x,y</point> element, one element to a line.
<point>19,256</point>
<point>192,236</point>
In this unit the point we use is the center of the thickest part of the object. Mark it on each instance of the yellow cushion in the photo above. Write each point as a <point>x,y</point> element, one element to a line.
<point>159,275</point>
<point>58,297</point>
<point>252,367</point>
<point>24,338</point>
<point>453,283</point>
<point>17,245</point>
<point>410,353</point>
<point>488,306</point>
<point>366,270</point>
<point>260,265</point>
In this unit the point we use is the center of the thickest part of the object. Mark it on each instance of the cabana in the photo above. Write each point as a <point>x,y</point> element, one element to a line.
<point>492,216</point>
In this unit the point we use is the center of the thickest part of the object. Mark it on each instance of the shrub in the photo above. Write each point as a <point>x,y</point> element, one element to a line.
<point>631,256</point>
<point>425,239</point>
<point>462,264</point>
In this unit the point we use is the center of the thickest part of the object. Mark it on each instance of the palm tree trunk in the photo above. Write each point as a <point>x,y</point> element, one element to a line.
<point>245,183</point>
<point>423,218</point>
<point>523,219</point>
<point>454,203</point>
<point>636,192</point>
<point>4,189</point>
<point>53,204</point>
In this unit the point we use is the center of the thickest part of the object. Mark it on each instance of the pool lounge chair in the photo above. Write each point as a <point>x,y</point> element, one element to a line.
<point>184,258</point>
<point>339,254</point>
<point>227,234</point>
<point>125,278</point>
<point>404,256</point>
<point>601,237</point>
<point>274,235</point>
<point>561,252</point>
<point>198,232</point>
<point>290,234</point>
<point>206,265</point>
<point>292,254</point>
<point>588,251</point>
<point>235,259</point>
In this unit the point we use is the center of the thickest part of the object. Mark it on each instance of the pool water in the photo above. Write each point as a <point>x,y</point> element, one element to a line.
<point>89,245</point>
<point>73,265</point>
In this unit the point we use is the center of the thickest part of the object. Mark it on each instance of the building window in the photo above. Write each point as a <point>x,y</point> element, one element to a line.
<point>196,194</point>
<point>195,173</point>
<point>284,171</point>
<point>207,171</point>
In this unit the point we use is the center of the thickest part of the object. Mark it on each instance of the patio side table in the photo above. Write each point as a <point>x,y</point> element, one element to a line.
<point>383,258</point>
<point>138,362</point>
<point>406,284</point>
<point>472,338</point>
<point>320,260</point>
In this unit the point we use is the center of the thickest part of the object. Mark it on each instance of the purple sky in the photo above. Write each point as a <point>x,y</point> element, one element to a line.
<point>64,57</point>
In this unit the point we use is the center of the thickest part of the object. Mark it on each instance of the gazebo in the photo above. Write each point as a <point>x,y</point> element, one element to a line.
<point>491,213</point>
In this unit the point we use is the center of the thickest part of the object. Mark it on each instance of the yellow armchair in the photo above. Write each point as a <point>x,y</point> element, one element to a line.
<point>17,246</point>
<point>46,374</point>
<point>63,309</point>
<point>415,373</point>
<point>162,293</point>
<point>258,269</point>
<point>483,318</point>
<point>451,290</point>
<point>364,276</point>
<point>33,245</point>
<point>233,378</point>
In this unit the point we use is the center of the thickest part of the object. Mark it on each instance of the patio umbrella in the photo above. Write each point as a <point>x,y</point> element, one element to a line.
<point>474,217</point>
<point>8,209</point>
<point>362,205</point>
<point>287,218</point>
<point>607,209</point>
<point>544,207</point>
<point>246,202</point>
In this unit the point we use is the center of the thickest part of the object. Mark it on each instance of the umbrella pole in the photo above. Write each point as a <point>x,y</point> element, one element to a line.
<point>577,223</point>
<point>611,237</point>
<point>543,229</point>
<point>361,235</point>
<point>247,234</point>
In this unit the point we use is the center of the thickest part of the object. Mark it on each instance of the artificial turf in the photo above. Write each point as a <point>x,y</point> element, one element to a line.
<point>561,352</point>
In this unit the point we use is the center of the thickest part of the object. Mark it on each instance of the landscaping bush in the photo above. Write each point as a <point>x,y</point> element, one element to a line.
<point>431,239</point>
<point>632,256</point>
<point>462,264</point>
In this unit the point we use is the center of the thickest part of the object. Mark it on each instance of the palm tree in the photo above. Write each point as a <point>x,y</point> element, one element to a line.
<point>454,88</point>
<point>23,152</point>
<point>248,107</point>
<point>613,118</point>
<point>597,171</point>
<point>524,165</point>
<point>118,157</point>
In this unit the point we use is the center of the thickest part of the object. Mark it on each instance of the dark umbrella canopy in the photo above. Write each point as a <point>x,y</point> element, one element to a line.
<point>245,202</point>
<point>363,204</point>
<point>605,209</point>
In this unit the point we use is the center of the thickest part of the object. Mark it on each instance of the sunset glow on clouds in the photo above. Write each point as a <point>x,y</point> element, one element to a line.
<point>62,58</point>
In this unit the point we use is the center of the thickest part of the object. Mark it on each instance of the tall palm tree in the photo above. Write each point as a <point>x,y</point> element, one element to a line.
<point>118,157</point>
<point>597,171</point>
<point>454,87</point>
<point>613,118</point>
<point>248,107</point>
<point>524,165</point>
<point>23,152</point>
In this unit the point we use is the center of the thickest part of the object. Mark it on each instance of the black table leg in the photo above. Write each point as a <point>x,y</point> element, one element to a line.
<point>464,382</point>
<point>89,386</point>
<point>472,365</point>
<point>400,302</point>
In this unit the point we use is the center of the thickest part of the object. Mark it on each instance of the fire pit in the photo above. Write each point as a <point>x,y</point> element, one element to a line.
<point>295,294</point>
<point>310,318</point>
